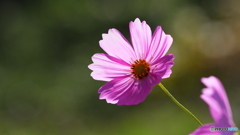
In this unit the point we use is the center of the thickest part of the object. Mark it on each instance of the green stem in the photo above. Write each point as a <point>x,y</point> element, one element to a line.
<point>179,104</point>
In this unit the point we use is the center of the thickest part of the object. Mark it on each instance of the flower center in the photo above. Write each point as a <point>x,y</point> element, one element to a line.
<point>140,69</point>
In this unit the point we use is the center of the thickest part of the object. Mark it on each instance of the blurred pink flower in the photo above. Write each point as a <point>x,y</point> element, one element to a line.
<point>132,70</point>
<point>216,98</point>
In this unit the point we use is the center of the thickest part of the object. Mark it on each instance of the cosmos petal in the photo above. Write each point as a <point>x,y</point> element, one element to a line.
<point>125,91</point>
<point>115,44</point>
<point>106,67</point>
<point>160,44</point>
<point>162,68</point>
<point>141,36</point>
<point>214,107</point>
<point>112,90</point>
<point>215,96</point>
<point>168,73</point>
<point>136,93</point>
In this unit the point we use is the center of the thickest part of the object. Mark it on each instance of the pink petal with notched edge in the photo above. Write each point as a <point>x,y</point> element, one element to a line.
<point>115,44</point>
<point>163,66</point>
<point>141,36</point>
<point>125,91</point>
<point>217,93</point>
<point>167,74</point>
<point>112,90</point>
<point>106,67</point>
<point>141,89</point>
<point>215,109</point>
<point>159,46</point>
<point>136,93</point>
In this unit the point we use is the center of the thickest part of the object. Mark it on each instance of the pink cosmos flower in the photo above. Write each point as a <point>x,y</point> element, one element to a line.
<point>132,70</point>
<point>216,98</point>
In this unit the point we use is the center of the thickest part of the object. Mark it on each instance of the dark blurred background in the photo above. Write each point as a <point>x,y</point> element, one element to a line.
<point>46,46</point>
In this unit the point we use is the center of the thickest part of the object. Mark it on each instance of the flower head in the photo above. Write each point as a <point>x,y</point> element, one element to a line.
<point>132,70</point>
<point>216,98</point>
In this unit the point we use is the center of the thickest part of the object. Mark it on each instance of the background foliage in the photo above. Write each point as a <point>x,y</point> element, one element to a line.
<point>46,46</point>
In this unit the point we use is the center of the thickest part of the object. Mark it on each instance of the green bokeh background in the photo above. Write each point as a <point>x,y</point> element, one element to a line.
<point>46,46</point>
